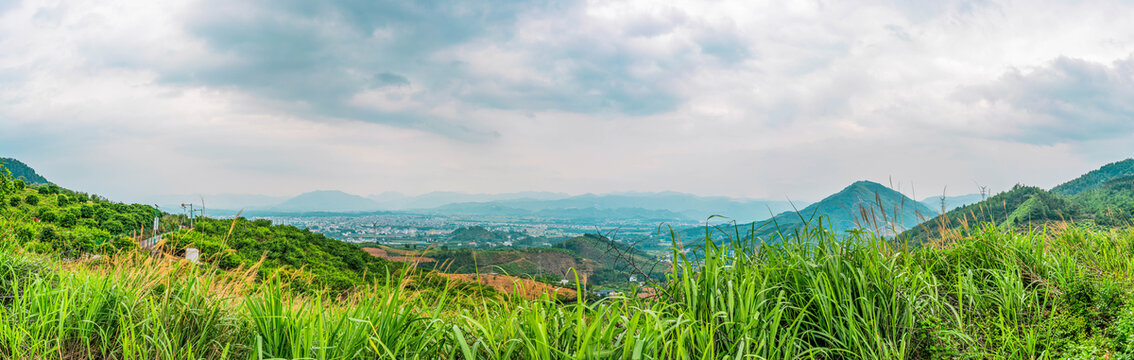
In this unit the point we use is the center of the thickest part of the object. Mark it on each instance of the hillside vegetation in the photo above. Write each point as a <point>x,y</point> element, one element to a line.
<point>1058,294</point>
<point>1096,178</point>
<point>594,259</point>
<point>22,171</point>
<point>48,219</point>
<point>241,243</point>
<point>51,219</point>
<point>1103,197</point>
<point>862,205</point>
<point>999,290</point>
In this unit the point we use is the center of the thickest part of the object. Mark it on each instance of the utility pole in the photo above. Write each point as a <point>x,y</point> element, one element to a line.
<point>192,213</point>
<point>375,227</point>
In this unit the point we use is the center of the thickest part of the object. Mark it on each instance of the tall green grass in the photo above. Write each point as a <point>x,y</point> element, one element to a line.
<point>997,294</point>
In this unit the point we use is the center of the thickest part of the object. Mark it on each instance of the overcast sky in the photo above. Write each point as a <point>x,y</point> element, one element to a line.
<point>761,99</point>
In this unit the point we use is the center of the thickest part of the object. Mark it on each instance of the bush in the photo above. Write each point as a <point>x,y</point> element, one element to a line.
<point>48,235</point>
<point>46,215</point>
<point>32,199</point>
<point>114,227</point>
<point>68,220</point>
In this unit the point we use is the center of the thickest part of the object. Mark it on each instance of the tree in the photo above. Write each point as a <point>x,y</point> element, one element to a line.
<point>5,181</point>
<point>46,215</point>
<point>14,201</point>
<point>32,200</point>
<point>114,227</point>
<point>48,235</point>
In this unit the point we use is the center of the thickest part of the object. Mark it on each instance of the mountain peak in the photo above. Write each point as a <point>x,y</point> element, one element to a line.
<point>326,200</point>
<point>22,171</point>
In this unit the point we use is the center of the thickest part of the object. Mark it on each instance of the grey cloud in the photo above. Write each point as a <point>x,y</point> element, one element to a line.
<point>390,79</point>
<point>318,54</point>
<point>1065,100</point>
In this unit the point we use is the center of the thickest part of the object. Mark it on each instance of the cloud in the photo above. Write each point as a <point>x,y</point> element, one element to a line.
<point>389,79</point>
<point>1065,100</point>
<point>769,98</point>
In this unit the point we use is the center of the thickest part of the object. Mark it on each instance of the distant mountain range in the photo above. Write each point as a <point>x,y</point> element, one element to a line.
<point>662,206</point>
<point>326,200</point>
<point>22,171</point>
<point>692,207</point>
<point>399,201</point>
<point>863,204</point>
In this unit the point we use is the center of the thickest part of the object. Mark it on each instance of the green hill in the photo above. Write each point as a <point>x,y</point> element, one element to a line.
<point>1111,204</point>
<point>53,220</point>
<point>1019,206</point>
<point>597,259</point>
<point>22,171</point>
<point>477,234</point>
<point>331,263</point>
<point>862,205</point>
<point>1096,178</point>
<point>1104,196</point>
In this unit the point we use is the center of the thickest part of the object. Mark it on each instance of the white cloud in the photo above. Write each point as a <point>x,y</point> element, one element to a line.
<point>747,98</point>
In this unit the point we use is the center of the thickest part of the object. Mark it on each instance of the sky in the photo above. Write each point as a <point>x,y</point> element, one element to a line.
<point>752,98</point>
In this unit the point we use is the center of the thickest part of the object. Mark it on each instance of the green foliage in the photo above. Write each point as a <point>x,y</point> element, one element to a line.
<point>332,263</point>
<point>1096,178</point>
<point>32,200</point>
<point>18,170</point>
<point>862,205</point>
<point>1020,206</point>
<point>993,294</point>
<point>1112,204</point>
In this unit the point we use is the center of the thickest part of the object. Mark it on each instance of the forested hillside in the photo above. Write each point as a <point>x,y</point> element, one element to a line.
<point>241,242</point>
<point>1096,178</point>
<point>862,205</point>
<point>1103,197</point>
<point>52,220</point>
<point>22,171</point>
<point>48,218</point>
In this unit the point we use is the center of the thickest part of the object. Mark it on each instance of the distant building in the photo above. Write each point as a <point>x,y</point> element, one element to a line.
<point>607,292</point>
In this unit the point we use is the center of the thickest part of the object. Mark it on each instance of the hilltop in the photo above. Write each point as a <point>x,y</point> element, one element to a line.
<point>1103,197</point>
<point>1095,178</point>
<point>326,201</point>
<point>22,171</point>
<point>862,205</point>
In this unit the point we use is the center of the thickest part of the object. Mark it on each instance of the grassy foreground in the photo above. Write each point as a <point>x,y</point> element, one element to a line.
<point>1060,293</point>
